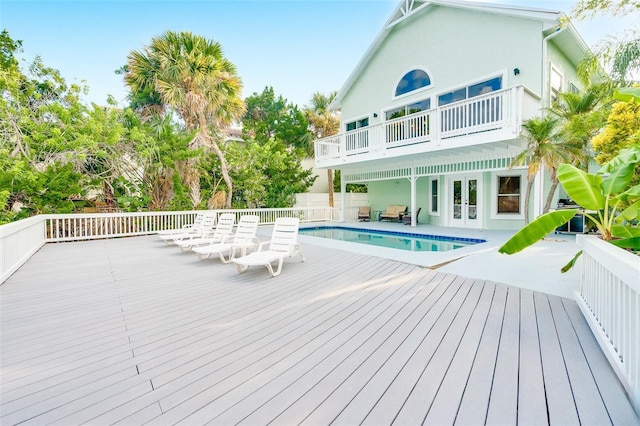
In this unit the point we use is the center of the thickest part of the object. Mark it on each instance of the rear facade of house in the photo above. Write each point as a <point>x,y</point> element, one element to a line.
<point>432,115</point>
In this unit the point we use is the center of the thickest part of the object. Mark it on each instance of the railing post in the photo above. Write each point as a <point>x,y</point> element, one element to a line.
<point>517,109</point>
<point>436,125</point>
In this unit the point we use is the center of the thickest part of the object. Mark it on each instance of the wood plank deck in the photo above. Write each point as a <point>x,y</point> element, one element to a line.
<point>131,331</point>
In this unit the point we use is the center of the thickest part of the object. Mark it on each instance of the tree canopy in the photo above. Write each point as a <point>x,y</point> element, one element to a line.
<point>268,117</point>
<point>189,75</point>
<point>269,164</point>
<point>58,154</point>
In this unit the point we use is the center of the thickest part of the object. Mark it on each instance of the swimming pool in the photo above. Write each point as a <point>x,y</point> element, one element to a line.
<point>390,239</point>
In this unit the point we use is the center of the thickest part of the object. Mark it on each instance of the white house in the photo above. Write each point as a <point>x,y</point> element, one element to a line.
<point>432,113</point>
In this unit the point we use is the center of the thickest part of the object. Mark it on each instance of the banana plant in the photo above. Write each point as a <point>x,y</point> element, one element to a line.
<point>607,197</point>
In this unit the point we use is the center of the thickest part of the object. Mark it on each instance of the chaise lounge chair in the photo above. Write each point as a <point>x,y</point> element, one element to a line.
<point>243,239</point>
<point>185,228</point>
<point>364,213</point>
<point>203,229</point>
<point>222,230</point>
<point>284,243</point>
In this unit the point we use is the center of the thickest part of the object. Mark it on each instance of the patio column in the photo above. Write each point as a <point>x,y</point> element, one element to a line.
<point>343,196</point>
<point>538,193</point>
<point>413,180</point>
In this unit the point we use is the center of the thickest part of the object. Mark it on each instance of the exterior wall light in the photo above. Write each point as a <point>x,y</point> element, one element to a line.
<point>516,71</point>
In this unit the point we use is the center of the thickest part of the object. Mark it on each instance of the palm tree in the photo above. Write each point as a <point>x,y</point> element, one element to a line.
<point>582,117</point>
<point>323,122</point>
<point>190,76</point>
<point>546,149</point>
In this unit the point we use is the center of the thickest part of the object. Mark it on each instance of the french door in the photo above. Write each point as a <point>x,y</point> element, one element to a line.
<point>464,201</point>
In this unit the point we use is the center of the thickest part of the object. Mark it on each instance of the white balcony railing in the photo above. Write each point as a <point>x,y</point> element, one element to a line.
<point>499,110</point>
<point>609,297</point>
<point>20,240</point>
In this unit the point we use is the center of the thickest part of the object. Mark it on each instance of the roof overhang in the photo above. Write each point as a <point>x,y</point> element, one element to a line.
<point>570,42</point>
<point>442,156</point>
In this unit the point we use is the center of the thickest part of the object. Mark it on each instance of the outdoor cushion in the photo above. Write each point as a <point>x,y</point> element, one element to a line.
<point>393,212</point>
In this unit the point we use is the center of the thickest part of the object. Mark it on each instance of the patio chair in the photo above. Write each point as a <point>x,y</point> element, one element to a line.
<point>243,239</point>
<point>283,243</point>
<point>202,230</point>
<point>222,229</point>
<point>364,213</point>
<point>406,219</point>
<point>184,228</point>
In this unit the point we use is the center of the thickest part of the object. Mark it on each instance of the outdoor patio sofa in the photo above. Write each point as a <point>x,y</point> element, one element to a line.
<point>394,213</point>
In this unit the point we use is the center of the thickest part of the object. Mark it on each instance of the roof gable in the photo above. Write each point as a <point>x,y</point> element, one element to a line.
<point>407,9</point>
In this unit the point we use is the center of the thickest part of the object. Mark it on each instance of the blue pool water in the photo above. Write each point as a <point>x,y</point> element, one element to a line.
<point>390,239</point>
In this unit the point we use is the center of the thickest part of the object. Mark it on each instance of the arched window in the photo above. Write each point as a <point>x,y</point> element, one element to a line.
<point>413,80</point>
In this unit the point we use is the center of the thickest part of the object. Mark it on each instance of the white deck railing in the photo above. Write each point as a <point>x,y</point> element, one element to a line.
<point>609,296</point>
<point>492,111</point>
<point>20,240</point>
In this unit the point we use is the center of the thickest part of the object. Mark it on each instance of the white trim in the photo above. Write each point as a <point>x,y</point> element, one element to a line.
<point>475,162</point>
<point>494,194</point>
<point>438,199</point>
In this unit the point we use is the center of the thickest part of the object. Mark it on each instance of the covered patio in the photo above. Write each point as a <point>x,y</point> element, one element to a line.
<point>131,331</point>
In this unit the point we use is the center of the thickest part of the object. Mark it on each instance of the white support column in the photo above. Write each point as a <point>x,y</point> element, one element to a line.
<point>413,180</point>
<point>538,193</point>
<point>343,196</point>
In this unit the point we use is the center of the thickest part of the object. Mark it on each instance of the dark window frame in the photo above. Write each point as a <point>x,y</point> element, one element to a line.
<point>506,200</point>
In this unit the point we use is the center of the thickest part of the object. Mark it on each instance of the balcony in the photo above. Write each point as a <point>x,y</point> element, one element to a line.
<point>489,118</point>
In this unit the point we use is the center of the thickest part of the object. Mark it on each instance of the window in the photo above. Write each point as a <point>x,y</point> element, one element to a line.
<point>573,89</point>
<point>485,87</point>
<point>413,80</point>
<point>353,125</point>
<point>454,96</point>
<point>509,194</point>
<point>471,91</point>
<point>433,199</point>
<point>555,82</point>
<point>410,128</point>
<point>414,108</point>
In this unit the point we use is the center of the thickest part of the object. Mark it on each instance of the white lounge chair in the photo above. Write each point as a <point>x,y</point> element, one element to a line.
<point>204,228</point>
<point>243,239</point>
<point>217,235</point>
<point>284,243</point>
<point>184,228</point>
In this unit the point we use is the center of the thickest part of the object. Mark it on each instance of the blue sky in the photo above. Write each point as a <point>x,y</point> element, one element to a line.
<point>298,47</point>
